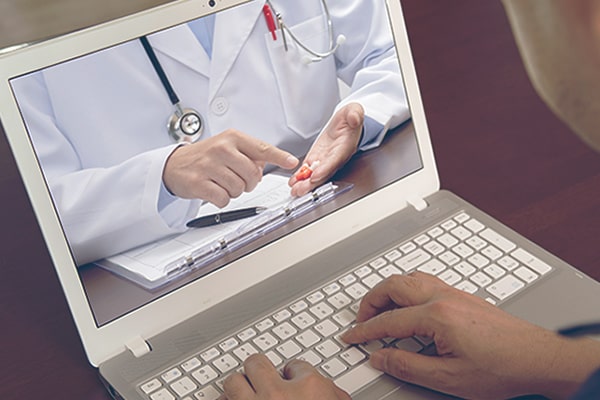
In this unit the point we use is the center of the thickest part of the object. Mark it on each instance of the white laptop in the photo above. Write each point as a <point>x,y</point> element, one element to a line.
<point>291,290</point>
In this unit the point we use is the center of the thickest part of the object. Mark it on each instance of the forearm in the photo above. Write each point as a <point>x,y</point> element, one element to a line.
<point>559,41</point>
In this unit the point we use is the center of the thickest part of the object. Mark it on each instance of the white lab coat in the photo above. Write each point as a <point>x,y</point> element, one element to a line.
<point>99,123</point>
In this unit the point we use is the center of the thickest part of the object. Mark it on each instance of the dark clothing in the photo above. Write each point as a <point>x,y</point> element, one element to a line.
<point>590,388</point>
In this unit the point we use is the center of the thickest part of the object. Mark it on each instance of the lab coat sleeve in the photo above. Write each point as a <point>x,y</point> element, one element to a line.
<point>368,63</point>
<point>103,211</point>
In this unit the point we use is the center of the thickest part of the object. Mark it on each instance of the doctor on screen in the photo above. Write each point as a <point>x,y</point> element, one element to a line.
<point>251,95</point>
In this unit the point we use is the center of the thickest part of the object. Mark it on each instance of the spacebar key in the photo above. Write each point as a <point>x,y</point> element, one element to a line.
<point>358,378</point>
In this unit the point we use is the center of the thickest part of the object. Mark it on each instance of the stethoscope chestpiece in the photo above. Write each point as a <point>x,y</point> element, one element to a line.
<point>185,125</point>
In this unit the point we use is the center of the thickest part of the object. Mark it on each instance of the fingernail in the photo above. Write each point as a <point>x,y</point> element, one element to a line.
<point>292,160</point>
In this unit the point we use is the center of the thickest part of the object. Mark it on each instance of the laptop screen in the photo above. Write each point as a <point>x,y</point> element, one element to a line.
<point>136,140</point>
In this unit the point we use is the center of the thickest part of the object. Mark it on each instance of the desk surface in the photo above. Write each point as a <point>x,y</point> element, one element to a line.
<point>496,143</point>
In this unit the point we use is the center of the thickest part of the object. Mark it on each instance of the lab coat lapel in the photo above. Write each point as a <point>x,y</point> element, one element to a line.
<point>180,44</point>
<point>232,29</point>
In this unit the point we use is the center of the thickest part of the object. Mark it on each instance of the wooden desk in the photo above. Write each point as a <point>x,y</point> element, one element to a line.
<point>496,143</point>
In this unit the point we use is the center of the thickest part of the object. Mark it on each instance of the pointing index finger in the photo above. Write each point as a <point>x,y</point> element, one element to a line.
<point>258,150</point>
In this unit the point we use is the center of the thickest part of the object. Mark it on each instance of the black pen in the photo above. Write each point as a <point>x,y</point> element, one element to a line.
<point>225,216</point>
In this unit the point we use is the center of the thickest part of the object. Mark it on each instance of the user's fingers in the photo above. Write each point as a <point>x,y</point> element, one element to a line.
<point>261,373</point>
<point>236,387</point>
<point>298,369</point>
<point>257,150</point>
<point>398,291</point>
<point>400,323</point>
<point>355,115</point>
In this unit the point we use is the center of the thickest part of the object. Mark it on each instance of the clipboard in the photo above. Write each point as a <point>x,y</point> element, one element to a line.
<point>222,244</point>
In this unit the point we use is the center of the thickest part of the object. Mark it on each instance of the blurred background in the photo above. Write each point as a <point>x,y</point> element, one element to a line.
<point>24,21</point>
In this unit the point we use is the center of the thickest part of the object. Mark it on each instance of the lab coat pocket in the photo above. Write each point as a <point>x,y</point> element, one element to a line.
<point>309,91</point>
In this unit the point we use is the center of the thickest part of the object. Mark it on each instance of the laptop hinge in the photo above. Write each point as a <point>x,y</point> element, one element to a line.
<point>418,203</point>
<point>138,346</point>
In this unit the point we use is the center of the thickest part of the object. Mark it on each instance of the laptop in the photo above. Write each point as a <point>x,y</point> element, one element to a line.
<point>291,290</point>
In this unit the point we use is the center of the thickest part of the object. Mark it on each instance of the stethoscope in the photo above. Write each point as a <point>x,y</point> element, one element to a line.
<point>314,56</point>
<point>186,124</point>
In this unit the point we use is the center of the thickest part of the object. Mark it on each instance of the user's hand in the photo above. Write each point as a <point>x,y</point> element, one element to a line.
<point>332,149</point>
<point>263,382</point>
<point>222,167</point>
<point>483,352</point>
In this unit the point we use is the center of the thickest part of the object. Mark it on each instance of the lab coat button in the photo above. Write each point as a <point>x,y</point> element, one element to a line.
<point>220,105</point>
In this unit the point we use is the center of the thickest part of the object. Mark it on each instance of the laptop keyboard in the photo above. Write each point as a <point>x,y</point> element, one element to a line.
<point>461,251</point>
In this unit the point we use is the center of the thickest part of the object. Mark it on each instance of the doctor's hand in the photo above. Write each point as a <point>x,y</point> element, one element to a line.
<point>300,381</point>
<point>482,351</point>
<point>333,148</point>
<point>222,167</point>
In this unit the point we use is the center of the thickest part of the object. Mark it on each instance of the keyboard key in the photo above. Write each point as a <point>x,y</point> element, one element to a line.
<point>476,242</point>
<point>321,310</point>
<point>327,348</point>
<point>347,280</point>
<point>413,260</point>
<point>209,355</point>
<point>225,363</point>
<point>449,258</point>
<point>434,247</point>
<point>162,394</point>
<point>151,386</point>
<point>228,344</point>
<point>450,277</point>
<point>363,271</point>
<point>466,286</point>
<point>505,287</point>
<point>372,280</point>
<point>465,268</point>
<point>450,224</point>
<point>334,367</point>
<point>289,349</point>
<point>421,240</point>
<point>326,328</point>
<point>461,233</point>
<point>389,270</point>
<point>310,357</point>
<point>481,279</point>
<point>192,363</point>
<point>265,341</point>
<point>526,274</point>
<point>274,358</point>
<point>207,393</point>
<point>435,232</point>
<point>184,386</point>
<point>479,261</point>
<point>494,271</point>
<point>356,291</point>
<point>205,375</point>
<point>332,288</point>
<point>508,263</point>
<point>491,252</point>
<point>393,255</point>
<point>303,320</point>
<point>282,315</point>
<point>463,250</point>
<point>171,375</point>
<point>432,267</point>
<point>339,300</point>
<point>531,261</point>
<point>344,318</point>
<point>308,338</point>
<point>298,306</point>
<point>447,240</point>
<point>352,356</point>
<point>315,297</point>
<point>474,225</point>
<point>378,263</point>
<point>462,218</point>
<point>357,378</point>
<point>284,331</point>
<point>407,247</point>
<point>264,325</point>
<point>246,334</point>
<point>245,351</point>
<point>497,240</point>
